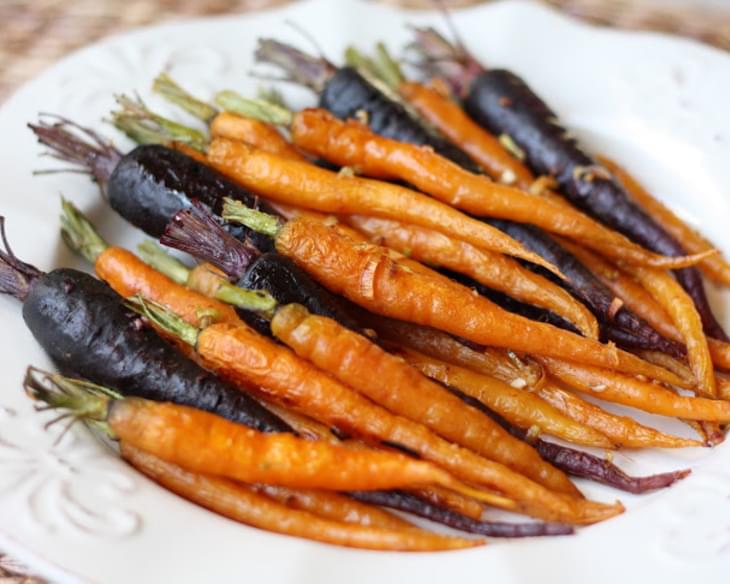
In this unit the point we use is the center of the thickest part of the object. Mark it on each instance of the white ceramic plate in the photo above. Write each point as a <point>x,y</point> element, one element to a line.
<point>76,513</point>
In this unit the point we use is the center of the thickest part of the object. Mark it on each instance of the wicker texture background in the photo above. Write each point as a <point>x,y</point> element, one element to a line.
<point>36,33</point>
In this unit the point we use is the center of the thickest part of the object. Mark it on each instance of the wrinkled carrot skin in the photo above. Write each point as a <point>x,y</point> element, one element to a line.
<point>451,120</point>
<point>128,275</point>
<point>295,384</point>
<point>367,275</point>
<point>518,407</point>
<point>333,506</point>
<point>621,430</point>
<point>493,270</point>
<point>453,501</point>
<point>715,267</point>
<point>681,308</point>
<point>242,504</point>
<point>352,359</point>
<point>253,132</point>
<point>279,374</point>
<point>635,393</point>
<point>302,184</point>
<point>351,143</point>
<point>536,499</point>
<point>205,443</point>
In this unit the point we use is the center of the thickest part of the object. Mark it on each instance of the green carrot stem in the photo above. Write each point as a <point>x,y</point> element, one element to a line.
<point>387,67</point>
<point>81,399</point>
<point>258,109</point>
<point>164,319</point>
<point>168,88</point>
<point>354,58</point>
<point>255,300</point>
<point>153,254</point>
<point>236,212</point>
<point>79,233</point>
<point>144,126</point>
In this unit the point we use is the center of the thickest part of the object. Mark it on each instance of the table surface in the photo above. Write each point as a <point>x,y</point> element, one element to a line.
<point>38,33</point>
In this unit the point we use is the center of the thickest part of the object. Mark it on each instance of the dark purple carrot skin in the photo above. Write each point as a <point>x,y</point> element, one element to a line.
<point>504,104</point>
<point>196,232</point>
<point>346,94</point>
<point>409,503</point>
<point>85,328</point>
<point>152,183</point>
<point>582,464</point>
<point>148,185</point>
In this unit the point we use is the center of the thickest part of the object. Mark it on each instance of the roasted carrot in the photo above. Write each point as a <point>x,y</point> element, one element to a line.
<point>203,442</point>
<point>715,267</point>
<point>678,304</point>
<point>333,506</point>
<point>622,430</point>
<point>636,393</point>
<point>244,504</point>
<point>257,350</point>
<point>239,354</point>
<point>639,300</point>
<point>303,184</point>
<point>504,103</point>
<point>507,401</point>
<point>483,148</point>
<point>351,358</point>
<point>351,143</point>
<point>367,275</point>
<point>254,132</point>
<point>493,270</point>
<point>666,296</point>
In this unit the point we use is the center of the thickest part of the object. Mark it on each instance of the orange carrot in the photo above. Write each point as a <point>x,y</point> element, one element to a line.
<point>715,267</point>
<point>368,276</point>
<point>678,304</point>
<point>493,270</point>
<point>451,120</point>
<point>129,275</point>
<point>239,354</point>
<point>622,430</point>
<point>518,407</point>
<point>636,393</point>
<point>303,184</point>
<point>351,358</point>
<point>254,132</point>
<point>205,443</point>
<point>241,503</point>
<point>351,143</point>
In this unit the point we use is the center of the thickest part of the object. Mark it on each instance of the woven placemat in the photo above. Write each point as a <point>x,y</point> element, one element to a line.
<point>37,33</point>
